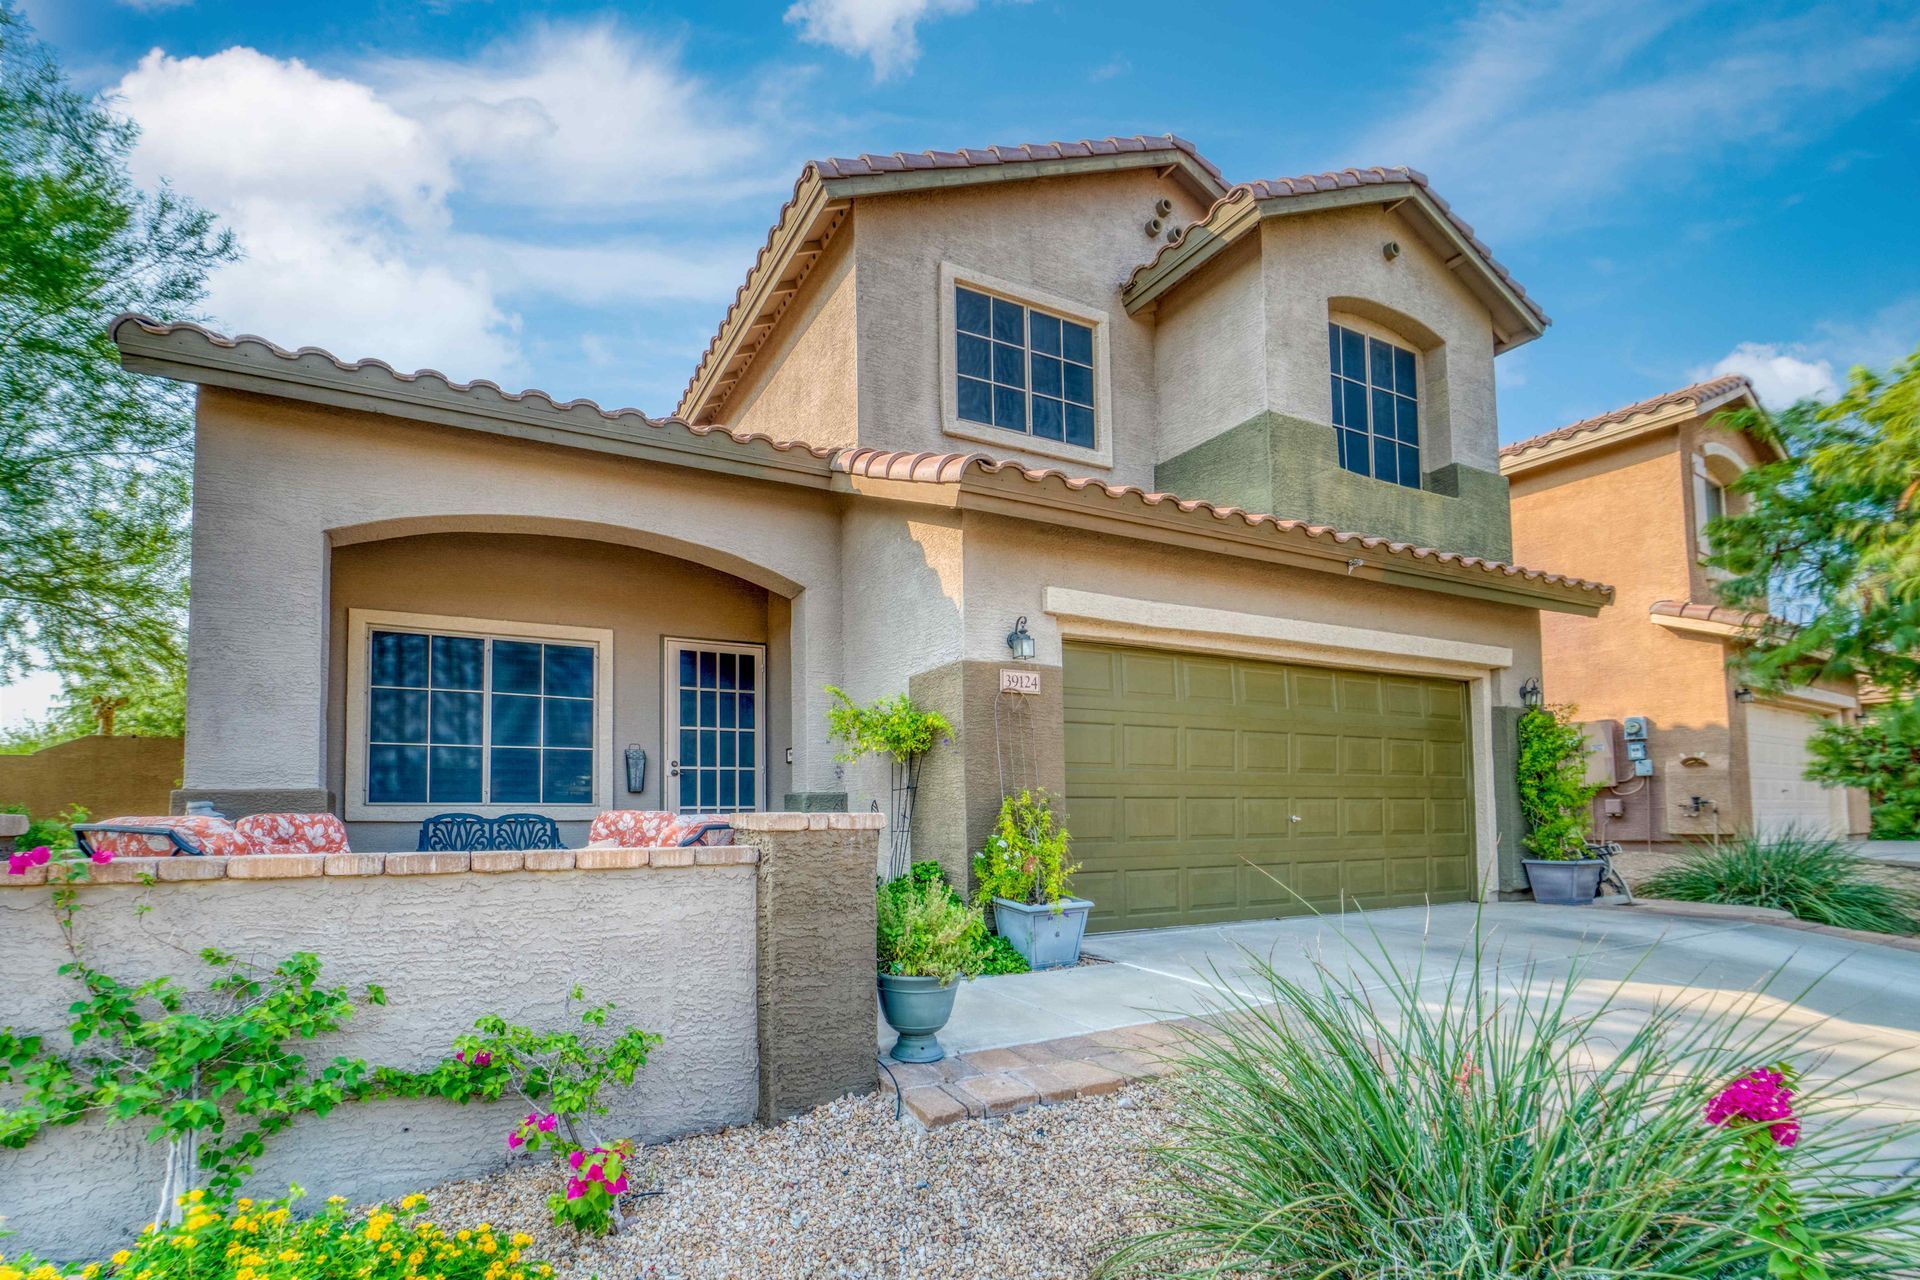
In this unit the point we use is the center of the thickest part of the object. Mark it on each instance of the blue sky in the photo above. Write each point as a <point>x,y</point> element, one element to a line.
<point>566,196</point>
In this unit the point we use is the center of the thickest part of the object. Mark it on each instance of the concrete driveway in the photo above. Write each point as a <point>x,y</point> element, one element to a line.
<point>1859,1001</point>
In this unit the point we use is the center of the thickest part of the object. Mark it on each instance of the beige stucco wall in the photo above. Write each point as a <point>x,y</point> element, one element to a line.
<point>675,949</point>
<point>1210,351</point>
<point>1334,260</point>
<point>108,777</point>
<point>278,486</point>
<point>1075,237</point>
<point>642,597</point>
<point>802,385</point>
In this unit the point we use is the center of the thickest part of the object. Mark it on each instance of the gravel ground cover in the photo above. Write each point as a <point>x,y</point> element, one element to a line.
<point>844,1191</point>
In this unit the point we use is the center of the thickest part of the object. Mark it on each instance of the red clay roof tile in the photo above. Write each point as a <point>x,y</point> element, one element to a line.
<point>1698,393</point>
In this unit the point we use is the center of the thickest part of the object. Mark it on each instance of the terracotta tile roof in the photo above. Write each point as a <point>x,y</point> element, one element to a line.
<point>479,388</point>
<point>1700,393</point>
<point>951,468</point>
<point>1343,179</point>
<point>1724,615</point>
<point>865,165</point>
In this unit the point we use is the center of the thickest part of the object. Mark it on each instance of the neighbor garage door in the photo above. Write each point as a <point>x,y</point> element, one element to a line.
<point>1777,759</point>
<point>1204,788</point>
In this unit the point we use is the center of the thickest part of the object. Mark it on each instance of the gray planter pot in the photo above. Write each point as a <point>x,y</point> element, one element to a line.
<point>916,1008</point>
<point>1048,936</point>
<point>1564,884</point>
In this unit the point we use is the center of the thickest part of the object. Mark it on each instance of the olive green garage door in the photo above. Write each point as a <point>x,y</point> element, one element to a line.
<point>1187,771</point>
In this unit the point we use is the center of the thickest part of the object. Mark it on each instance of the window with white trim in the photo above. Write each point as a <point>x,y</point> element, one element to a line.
<point>458,718</point>
<point>1376,405</point>
<point>1023,369</point>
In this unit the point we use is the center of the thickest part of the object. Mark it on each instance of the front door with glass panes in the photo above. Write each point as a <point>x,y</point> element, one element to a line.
<point>715,739</point>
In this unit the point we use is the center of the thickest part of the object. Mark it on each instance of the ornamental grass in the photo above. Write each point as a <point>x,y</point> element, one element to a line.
<point>1810,877</point>
<point>271,1241</point>
<point>1480,1123</point>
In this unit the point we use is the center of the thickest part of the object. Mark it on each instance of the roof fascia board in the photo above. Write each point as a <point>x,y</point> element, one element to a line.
<point>1199,246</point>
<point>187,358</point>
<point>1237,217</point>
<point>1087,509</point>
<point>1182,164</point>
<point>808,203</point>
<point>1600,438</point>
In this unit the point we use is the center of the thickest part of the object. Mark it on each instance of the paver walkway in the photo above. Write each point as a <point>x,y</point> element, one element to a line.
<point>1021,1040</point>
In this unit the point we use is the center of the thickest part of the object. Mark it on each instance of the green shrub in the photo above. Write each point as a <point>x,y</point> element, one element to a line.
<point>268,1242</point>
<point>925,930</point>
<point>55,833</point>
<point>1396,1123</point>
<point>1811,877</point>
<point>996,954</point>
<point>1554,792</point>
<point>895,727</point>
<point>1881,755</point>
<point>1026,856</point>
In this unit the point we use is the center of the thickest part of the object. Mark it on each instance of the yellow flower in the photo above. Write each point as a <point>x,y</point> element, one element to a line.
<point>120,1258</point>
<point>521,1239</point>
<point>414,1201</point>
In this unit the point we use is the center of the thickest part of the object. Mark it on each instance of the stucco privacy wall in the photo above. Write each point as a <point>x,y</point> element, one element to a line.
<point>641,596</point>
<point>278,485</point>
<point>675,948</point>
<point>105,776</point>
<point>1011,231</point>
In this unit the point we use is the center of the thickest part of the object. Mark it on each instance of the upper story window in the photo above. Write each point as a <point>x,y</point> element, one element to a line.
<point>1376,405</point>
<point>1023,369</point>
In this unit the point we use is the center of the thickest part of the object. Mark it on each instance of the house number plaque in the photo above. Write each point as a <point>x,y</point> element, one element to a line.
<point>1012,681</point>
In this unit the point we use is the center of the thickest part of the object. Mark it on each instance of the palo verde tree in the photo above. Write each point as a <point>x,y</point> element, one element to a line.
<point>1831,534</point>
<point>93,460</point>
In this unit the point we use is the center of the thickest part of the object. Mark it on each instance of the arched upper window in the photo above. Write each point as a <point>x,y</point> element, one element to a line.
<point>1374,377</point>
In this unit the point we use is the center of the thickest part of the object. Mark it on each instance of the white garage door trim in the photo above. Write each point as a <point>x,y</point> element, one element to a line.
<point>1091,615</point>
<point>1781,797</point>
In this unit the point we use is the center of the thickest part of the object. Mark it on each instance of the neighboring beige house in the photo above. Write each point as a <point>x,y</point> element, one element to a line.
<point>956,391</point>
<point>1625,496</point>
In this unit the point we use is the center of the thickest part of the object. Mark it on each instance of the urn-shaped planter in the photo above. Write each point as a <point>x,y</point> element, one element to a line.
<point>1572,883</point>
<point>916,1008</point>
<point>1048,936</point>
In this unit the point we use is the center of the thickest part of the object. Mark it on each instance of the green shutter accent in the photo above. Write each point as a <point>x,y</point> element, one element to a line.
<point>1203,788</point>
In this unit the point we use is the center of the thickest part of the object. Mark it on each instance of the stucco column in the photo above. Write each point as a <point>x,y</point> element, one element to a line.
<point>256,635</point>
<point>815,922</point>
<point>814,639</point>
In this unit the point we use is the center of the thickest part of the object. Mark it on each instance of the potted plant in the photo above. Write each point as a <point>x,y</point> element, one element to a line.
<point>1556,800</point>
<point>900,730</point>
<point>927,939</point>
<point>1023,873</point>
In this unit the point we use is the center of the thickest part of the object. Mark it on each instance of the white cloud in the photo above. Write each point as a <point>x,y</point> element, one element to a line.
<point>399,208</point>
<point>153,6</point>
<point>587,118</point>
<point>1543,112</point>
<point>882,31</point>
<point>1779,376</point>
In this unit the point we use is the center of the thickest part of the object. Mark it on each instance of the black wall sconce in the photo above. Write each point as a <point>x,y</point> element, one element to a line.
<point>1743,694</point>
<point>1530,695</point>
<point>1020,641</point>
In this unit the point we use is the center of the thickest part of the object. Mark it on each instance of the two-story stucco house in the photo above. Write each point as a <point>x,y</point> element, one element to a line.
<point>1228,451</point>
<point>1628,494</point>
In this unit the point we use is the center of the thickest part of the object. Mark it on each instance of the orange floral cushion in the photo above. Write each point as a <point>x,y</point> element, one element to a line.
<point>215,837</point>
<point>296,832</point>
<point>647,829</point>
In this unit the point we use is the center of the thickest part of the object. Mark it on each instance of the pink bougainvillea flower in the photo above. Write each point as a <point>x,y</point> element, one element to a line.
<point>549,1122</point>
<point>576,1159</point>
<point>460,1055</point>
<point>618,1187</point>
<point>575,1188</point>
<point>515,1141</point>
<point>594,1174</point>
<point>17,864</point>
<point>482,1059</point>
<point>102,857</point>
<point>1759,1097</point>
<point>38,855</point>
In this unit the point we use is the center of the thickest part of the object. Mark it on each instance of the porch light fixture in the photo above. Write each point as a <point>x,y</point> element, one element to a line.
<point>1530,693</point>
<point>1020,641</point>
<point>1743,694</point>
